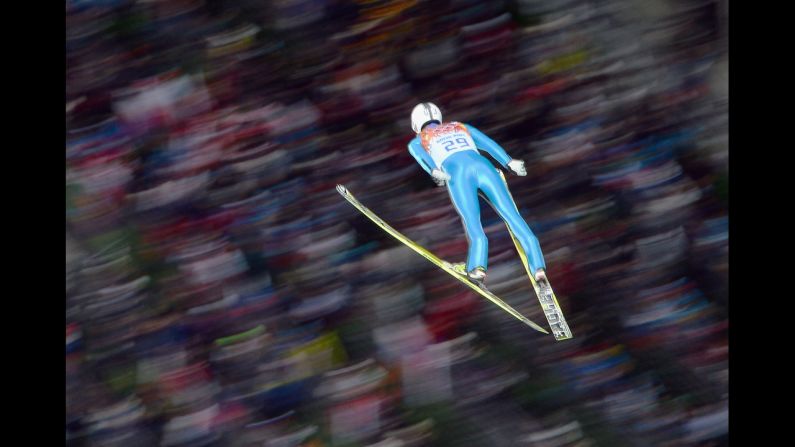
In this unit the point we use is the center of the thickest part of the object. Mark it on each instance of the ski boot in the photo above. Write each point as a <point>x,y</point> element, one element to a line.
<point>541,277</point>
<point>477,275</point>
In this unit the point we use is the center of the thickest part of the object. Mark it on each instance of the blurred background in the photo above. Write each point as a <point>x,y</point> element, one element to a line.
<point>219,292</point>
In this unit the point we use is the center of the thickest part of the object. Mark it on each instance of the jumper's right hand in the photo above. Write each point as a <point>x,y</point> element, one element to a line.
<point>441,178</point>
<point>517,167</point>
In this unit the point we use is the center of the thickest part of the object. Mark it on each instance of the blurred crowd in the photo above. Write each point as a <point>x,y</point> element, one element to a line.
<point>219,292</point>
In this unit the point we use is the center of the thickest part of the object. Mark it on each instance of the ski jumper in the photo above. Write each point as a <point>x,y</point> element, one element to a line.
<point>453,148</point>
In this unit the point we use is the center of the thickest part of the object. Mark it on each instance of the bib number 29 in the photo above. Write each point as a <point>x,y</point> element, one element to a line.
<point>458,143</point>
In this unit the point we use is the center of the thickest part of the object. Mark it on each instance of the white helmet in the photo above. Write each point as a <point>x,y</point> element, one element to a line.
<point>423,113</point>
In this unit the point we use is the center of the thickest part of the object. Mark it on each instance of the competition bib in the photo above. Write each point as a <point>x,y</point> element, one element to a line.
<point>446,140</point>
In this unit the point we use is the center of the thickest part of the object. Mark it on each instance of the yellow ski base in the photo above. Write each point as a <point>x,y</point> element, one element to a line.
<point>444,265</point>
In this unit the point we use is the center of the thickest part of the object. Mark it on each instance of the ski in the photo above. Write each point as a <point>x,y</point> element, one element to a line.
<point>546,297</point>
<point>545,294</point>
<point>444,265</point>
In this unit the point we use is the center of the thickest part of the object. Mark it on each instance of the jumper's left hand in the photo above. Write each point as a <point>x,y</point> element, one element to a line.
<point>441,178</point>
<point>517,167</point>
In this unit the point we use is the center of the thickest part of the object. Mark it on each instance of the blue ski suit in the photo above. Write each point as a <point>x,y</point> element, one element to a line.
<point>453,148</point>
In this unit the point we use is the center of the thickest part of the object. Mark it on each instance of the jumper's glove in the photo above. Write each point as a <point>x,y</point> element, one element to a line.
<point>517,167</point>
<point>440,177</point>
